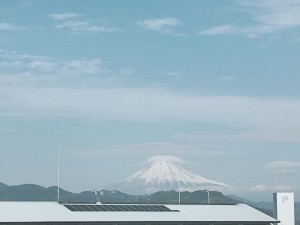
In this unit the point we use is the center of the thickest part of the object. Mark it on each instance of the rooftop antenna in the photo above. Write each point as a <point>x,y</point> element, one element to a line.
<point>96,195</point>
<point>179,197</point>
<point>179,191</point>
<point>58,162</point>
<point>208,190</point>
<point>148,199</point>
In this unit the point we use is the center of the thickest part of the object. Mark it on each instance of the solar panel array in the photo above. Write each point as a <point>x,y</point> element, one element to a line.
<point>118,208</point>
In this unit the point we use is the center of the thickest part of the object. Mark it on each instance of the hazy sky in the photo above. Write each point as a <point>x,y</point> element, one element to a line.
<point>216,83</point>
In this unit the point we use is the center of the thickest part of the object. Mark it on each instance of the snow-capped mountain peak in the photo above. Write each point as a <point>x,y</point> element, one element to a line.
<point>166,175</point>
<point>162,172</point>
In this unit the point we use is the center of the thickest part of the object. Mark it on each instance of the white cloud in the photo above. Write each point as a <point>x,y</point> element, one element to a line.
<point>22,95</point>
<point>261,133</point>
<point>271,188</point>
<point>41,65</point>
<point>167,158</point>
<point>219,30</point>
<point>83,65</point>
<point>14,56</point>
<point>153,147</point>
<point>250,32</point>
<point>268,16</point>
<point>10,27</point>
<point>71,22</point>
<point>63,16</point>
<point>255,31</point>
<point>7,26</point>
<point>13,63</point>
<point>277,13</point>
<point>284,167</point>
<point>260,187</point>
<point>282,164</point>
<point>266,115</point>
<point>164,26</point>
<point>77,27</point>
<point>10,64</point>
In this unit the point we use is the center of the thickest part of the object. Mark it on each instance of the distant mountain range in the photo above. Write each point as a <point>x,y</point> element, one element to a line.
<point>32,192</point>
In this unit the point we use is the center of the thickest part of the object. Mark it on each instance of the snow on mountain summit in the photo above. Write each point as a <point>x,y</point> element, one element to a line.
<point>164,173</point>
<point>168,172</point>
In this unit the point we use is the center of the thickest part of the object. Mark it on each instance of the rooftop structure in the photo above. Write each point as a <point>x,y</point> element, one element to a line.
<point>109,214</point>
<point>284,207</point>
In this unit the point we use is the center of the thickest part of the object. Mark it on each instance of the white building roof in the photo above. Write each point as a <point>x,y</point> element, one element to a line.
<point>55,212</point>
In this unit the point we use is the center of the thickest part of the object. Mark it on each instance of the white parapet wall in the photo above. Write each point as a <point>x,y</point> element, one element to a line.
<point>284,208</point>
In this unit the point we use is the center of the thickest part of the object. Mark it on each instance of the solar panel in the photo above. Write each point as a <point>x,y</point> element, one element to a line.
<point>101,208</point>
<point>70,207</point>
<point>132,208</point>
<point>117,208</point>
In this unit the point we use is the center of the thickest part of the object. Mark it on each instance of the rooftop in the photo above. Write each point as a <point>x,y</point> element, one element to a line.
<point>35,212</point>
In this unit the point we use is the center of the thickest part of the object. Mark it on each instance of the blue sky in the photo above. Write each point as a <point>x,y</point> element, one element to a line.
<point>215,83</point>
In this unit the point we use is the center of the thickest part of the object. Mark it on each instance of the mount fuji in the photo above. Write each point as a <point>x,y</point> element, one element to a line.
<point>164,173</point>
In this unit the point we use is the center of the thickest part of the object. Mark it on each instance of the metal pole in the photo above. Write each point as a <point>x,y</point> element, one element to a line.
<point>148,199</point>
<point>58,172</point>
<point>179,191</point>
<point>208,197</point>
<point>208,190</point>
<point>179,194</point>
